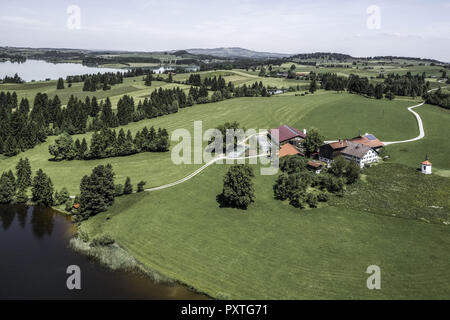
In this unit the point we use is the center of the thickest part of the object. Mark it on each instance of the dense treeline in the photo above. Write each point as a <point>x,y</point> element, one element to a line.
<point>438,98</point>
<point>223,90</point>
<point>331,81</point>
<point>13,188</point>
<point>107,143</point>
<point>13,57</point>
<point>242,63</point>
<point>394,84</point>
<point>323,56</point>
<point>406,85</point>
<point>94,82</point>
<point>20,129</point>
<point>14,79</point>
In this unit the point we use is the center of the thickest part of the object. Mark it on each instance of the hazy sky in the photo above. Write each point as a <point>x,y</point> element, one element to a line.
<point>407,28</point>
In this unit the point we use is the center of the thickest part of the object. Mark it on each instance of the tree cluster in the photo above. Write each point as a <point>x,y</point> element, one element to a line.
<point>96,192</point>
<point>14,79</point>
<point>293,183</point>
<point>21,130</point>
<point>438,98</point>
<point>107,143</point>
<point>14,188</point>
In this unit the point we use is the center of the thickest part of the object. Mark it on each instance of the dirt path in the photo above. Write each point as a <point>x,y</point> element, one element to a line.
<point>419,123</point>
<point>199,170</point>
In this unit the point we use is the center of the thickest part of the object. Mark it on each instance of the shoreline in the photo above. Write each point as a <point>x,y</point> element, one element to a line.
<point>116,258</point>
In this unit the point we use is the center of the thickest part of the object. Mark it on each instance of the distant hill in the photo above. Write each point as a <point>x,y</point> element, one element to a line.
<point>237,53</point>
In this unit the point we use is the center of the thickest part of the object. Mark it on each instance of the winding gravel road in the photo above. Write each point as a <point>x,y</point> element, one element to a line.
<point>199,170</point>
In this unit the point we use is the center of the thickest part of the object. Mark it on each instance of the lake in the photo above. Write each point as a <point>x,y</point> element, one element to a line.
<point>41,70</point>
<point>34,256</point>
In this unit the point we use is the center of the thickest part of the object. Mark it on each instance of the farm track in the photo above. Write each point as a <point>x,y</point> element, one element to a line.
<point>199,170</point>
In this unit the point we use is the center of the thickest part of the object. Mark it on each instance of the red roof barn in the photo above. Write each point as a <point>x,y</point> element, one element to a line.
<point>285,134</point>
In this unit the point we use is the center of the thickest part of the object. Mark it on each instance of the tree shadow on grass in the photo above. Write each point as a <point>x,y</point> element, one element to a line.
<point>224,204</point>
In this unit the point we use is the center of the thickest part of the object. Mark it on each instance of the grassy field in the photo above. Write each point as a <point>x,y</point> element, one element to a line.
<point>435,143</point>
<point>272,250</point>
<point>134,87</point>
<point>401,191</point>
<point>336,115</point>
<point>363,71</point>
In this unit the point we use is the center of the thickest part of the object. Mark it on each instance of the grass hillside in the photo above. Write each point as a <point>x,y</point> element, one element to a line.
<point>397,190</point>
<point>436,142</point>
<point>135,86</point>
<point>272,250</point>
<point>336,115</point>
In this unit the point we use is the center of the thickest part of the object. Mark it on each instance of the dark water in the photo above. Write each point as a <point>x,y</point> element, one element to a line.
<point>34,256</point>
<point>41,70</point>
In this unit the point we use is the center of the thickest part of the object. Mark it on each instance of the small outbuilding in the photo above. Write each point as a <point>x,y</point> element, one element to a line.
<point>426,166</point>
<point>288,150</point>
<point>316,166</point>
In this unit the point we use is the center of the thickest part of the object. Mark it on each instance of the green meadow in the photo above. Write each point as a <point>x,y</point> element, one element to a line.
<point>435,143</point>
<point>273,250</point>
<point>335,115</point>
<point>133,86</point>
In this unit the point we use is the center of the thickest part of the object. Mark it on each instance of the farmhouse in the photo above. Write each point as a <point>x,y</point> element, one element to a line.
<point>360,153</point>
<point>162,70</point>
<point>276,91</point>
<point>369,140</point>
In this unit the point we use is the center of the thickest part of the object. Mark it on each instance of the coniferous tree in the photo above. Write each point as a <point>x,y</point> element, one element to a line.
<point>7,189</point>
<point>60,84</point>
<point>10,147</point>
<point>95,108</point>
<point>42,189</point>
<point>23,172</point>
<point>107,116</point>
<point>97,191</point>
<point>128,187</point>
<point>148,79</point>
<point>313,86</point>
<point>140,186</point>
<point>61,197</point>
